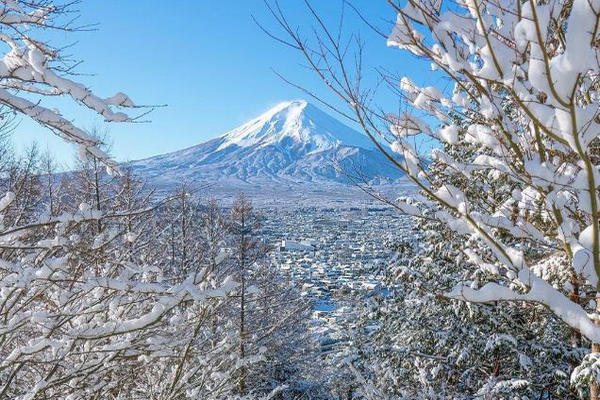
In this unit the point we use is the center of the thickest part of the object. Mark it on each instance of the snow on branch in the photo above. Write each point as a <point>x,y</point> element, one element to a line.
<point>31,65</point>
<point>517,168</point>
<point>525,107</point>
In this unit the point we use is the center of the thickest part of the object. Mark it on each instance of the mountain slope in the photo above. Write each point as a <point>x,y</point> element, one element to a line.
<point>294,142</point>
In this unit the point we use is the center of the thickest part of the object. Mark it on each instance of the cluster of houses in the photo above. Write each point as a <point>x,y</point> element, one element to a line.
<point>336,256</point>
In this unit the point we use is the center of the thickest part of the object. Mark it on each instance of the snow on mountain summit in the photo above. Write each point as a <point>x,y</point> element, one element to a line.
<point>300,122</point>
<point>293,142</point>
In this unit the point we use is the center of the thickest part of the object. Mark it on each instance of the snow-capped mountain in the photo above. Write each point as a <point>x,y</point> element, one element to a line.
<point>294,142</point>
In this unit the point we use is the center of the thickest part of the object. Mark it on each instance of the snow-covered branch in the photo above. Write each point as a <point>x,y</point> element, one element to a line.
<point>30,71</point>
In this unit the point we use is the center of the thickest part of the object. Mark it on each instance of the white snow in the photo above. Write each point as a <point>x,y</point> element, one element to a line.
<point>299,121</point>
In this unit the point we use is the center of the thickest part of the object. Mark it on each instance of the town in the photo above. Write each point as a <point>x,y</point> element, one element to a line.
<point>337,256</point>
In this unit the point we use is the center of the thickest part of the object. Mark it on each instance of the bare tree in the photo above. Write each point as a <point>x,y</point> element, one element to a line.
<point>525,78</point>
<point>243,224</point>
<point>79,312</point>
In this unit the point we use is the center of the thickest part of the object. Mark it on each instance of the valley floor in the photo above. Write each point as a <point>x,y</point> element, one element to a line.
<point>293,196</point>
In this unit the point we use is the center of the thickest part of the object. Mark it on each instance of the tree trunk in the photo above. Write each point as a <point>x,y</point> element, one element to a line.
<point>594,387</point>
<point>242,386</point>
<point>574,297</point>
<point>97,193</point>
<point>183,232</point>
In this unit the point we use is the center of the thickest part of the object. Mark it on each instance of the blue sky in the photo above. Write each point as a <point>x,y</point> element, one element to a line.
<point>206,60</point>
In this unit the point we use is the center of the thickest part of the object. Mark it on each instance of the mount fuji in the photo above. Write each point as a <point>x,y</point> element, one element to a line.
<point>292,143</point>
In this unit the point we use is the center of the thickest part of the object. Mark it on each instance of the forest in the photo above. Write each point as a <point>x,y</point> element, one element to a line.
<point>111,288</point>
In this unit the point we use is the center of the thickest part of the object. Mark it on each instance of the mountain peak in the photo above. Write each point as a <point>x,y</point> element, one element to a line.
<point>295,123</point>
<point>293,104</point>
<point>293,142</point>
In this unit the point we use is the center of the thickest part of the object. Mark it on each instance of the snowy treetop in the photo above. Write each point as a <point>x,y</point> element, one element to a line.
<point>525,100</point>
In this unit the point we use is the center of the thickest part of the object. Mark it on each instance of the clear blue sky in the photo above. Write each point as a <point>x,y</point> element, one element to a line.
<point>205,59</point>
